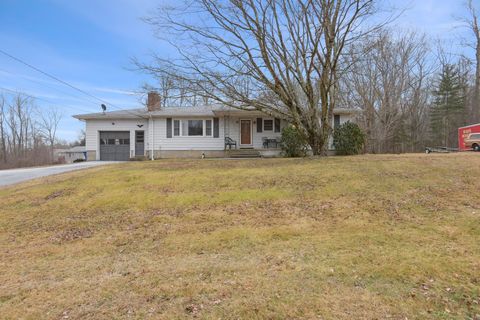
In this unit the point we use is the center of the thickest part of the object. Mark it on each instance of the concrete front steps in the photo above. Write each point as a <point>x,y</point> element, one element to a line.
<point>243,153</point>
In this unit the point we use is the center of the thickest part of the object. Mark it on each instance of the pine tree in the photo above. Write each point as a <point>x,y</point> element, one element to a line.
<point>448,108</point>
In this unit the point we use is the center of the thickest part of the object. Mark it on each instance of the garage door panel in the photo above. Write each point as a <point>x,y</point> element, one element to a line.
<point>114,145</point>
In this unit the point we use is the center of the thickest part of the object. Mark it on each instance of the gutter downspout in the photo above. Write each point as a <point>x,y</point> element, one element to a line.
<point>151,136</point>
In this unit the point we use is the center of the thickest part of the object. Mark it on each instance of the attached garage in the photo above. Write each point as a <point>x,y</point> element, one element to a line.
<point>114,145</point>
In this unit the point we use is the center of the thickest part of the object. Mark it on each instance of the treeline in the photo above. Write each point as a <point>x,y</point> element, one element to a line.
<point>410,93</point>
<point>28,134</point>
<point>302,61</point>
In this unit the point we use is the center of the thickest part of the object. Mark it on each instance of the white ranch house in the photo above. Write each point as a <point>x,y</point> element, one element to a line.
<point>185,132</point>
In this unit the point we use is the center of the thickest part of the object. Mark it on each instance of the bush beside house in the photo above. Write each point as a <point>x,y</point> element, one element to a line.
<point>348,139</point>
<point>293,143</point>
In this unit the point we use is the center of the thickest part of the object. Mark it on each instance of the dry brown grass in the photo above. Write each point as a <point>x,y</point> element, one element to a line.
<point>367,237</point>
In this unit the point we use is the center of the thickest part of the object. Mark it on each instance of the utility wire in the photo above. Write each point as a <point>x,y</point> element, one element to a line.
<point>53,88</point>
<point>64,82</point>
<point>43,99</point>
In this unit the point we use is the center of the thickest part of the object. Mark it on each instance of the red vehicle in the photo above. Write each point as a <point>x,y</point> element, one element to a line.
<point>464,133</point>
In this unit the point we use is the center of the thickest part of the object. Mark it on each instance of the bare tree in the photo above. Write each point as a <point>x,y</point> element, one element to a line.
<point>81,137</point>
<point>164,86</point>
<point>19,121</point>
<point>48,125</point>
<point>173,90</point>
<point>3,135</point>
<point>472,23</point>
<point>26,134</point>
<point>389,81</point>
<point>287,51</point>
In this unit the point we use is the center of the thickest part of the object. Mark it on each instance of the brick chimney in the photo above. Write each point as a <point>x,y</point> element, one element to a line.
<point>153,101</point>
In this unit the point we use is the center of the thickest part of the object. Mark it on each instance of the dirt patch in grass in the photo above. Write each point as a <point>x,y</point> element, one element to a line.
<point>367,237</point>
<point>71,235</point>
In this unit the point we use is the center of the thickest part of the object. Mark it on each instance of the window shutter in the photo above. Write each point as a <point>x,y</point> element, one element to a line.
<point>259,125</point>
<point>277,125</point>
<point>169,127</point>
<point>216,128</point>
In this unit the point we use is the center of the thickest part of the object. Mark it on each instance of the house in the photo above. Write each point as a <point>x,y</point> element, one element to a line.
<point>183,132</point>
<point>57,157</point>
<point>72,154</point>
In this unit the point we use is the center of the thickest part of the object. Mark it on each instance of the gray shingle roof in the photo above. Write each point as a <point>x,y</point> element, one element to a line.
<point>76,149</point>
<point>207,111</point>
<point>143,113</point>
<point>120,114</point>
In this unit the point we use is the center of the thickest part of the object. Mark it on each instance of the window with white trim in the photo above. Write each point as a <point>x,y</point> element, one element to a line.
<point>184,127</point>
<point>208,128</point>
<point>267,124</point>
<point>176,128</point>
<point>192,128</point>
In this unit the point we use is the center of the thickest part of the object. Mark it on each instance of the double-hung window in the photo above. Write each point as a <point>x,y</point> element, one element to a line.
<point>208,128</point>
<point>176,128</point>
<point>268,124</point>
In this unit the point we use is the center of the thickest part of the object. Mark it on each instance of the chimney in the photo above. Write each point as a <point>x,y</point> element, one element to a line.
<point>153,101</point>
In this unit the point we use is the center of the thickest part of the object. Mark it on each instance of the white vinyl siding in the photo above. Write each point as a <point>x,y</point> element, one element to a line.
<point>185,142</point>
<point>341,119</point>
<point>192,127</point>
<point>257,142</point>
<point>93,127</point>
<point>156,128</point>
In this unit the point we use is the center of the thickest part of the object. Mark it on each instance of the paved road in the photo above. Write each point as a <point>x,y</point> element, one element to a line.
<point>12,176</point>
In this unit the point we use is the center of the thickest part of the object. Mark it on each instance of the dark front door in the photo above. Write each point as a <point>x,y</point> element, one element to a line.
<point>139,143</point>
<point>246,132</point>
<point>114,145</point>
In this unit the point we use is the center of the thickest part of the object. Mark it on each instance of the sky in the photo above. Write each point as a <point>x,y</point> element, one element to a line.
<point>90,44</point>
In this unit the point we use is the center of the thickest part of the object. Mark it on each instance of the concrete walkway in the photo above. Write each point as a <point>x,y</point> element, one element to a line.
<point>12,176</point>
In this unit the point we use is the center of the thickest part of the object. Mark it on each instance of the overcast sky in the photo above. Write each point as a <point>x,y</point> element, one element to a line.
<point>89,43</point>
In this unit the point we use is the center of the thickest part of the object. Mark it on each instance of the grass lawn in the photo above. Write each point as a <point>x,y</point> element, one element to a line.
<point>365,237</point>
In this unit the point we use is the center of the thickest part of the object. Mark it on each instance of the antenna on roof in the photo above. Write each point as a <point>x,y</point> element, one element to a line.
<point>104,108</point>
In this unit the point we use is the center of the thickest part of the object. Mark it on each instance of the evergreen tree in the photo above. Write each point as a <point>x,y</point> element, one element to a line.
<point>448,107</point>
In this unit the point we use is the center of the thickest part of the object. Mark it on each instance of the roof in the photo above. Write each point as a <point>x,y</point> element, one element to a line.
<point>188,111</point>
<point>120,114</point>
<point>76,149</point>
<point>202,111</point>
<point>469,126</point>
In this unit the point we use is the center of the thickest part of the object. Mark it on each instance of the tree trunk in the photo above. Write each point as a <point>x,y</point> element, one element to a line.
<point>318,140</point>
<point>476,94</point>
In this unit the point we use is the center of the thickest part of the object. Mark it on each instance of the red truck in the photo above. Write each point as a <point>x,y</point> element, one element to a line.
<point>467,137</point>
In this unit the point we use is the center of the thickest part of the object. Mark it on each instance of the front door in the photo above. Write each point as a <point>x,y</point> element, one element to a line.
<point>246,132</point>
<point>139,143</point>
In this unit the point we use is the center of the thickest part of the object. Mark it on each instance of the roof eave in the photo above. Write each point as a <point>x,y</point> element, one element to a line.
<point>105,117</point>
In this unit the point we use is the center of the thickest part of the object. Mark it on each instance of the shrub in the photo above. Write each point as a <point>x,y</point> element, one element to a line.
<point>78,160</point>
<point>348,139</point>
<point>293,143</point>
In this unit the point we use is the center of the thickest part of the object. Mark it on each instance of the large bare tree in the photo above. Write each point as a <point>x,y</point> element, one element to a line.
<point>281,57</point>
